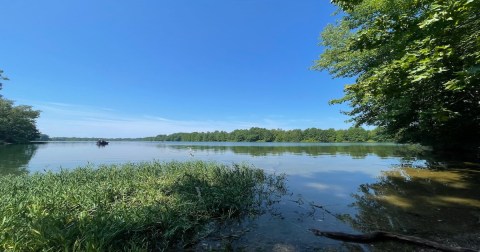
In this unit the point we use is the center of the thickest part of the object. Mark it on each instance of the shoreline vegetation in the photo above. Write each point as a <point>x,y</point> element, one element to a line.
<point>139,207</point>
<point>255,134</point>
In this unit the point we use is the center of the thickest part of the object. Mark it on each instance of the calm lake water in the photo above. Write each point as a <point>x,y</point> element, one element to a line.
<point>333,187</point>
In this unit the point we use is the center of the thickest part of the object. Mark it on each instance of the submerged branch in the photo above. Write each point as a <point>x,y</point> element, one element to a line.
<point>387,236</point>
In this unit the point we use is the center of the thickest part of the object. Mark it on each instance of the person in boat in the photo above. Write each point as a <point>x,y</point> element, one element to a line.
<point>102,142</point>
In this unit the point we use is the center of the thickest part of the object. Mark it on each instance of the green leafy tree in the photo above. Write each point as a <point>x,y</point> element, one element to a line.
<point>17,123</point>
<point>295,135</point>
<point>416,65</point>
<point>313,135</point>
<point>340,136</point>
<point>356,134</point>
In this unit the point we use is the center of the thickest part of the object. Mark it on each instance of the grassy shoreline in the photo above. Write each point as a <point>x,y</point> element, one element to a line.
<point>141,207</point>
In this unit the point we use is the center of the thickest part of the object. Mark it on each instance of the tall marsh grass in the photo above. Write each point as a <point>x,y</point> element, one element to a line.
<point>145,206</point>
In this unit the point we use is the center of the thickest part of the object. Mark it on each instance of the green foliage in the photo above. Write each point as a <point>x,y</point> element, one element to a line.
<point>17,123</point>
<point>2,78</point>
<point>43,137</point>
<point>353,134</point>
<point>417,67</point>
<point>149,206</point>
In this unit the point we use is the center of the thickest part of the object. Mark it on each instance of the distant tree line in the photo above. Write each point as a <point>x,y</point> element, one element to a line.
<point>255,134</point>
<point>353,134</point>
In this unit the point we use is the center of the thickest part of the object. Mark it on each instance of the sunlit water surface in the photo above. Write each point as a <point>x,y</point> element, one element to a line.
<point>333,187</point>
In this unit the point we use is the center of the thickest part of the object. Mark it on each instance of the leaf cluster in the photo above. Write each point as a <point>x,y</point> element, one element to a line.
<point>416,64</point>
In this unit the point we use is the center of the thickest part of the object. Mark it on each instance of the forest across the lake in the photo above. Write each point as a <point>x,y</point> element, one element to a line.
<point>255,134</point>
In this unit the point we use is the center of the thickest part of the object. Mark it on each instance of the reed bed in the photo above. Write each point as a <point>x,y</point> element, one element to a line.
<point>130,207</point>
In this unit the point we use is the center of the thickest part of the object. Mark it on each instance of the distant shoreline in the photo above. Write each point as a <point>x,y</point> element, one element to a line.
<point>310,135</point>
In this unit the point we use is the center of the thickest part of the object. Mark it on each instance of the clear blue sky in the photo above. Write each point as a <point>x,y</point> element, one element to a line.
<point>117,68</point>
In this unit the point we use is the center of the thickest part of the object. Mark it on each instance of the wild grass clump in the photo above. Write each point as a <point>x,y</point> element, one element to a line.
<point>146,206</point>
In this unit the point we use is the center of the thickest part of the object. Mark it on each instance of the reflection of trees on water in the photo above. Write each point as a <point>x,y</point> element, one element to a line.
<point>15,158</point>
<point>436,204</point>
<point>356,151</point>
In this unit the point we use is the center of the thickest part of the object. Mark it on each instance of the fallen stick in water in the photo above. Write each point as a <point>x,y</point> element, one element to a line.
<point>387,236</point>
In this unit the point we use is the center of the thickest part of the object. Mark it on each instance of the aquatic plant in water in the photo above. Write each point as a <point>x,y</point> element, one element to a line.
<point>145,206</point>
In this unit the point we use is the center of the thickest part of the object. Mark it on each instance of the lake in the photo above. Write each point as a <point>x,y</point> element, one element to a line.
<point>351,188</point>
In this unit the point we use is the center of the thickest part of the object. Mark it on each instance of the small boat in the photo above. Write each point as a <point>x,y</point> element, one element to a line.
<point>101,142</point>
